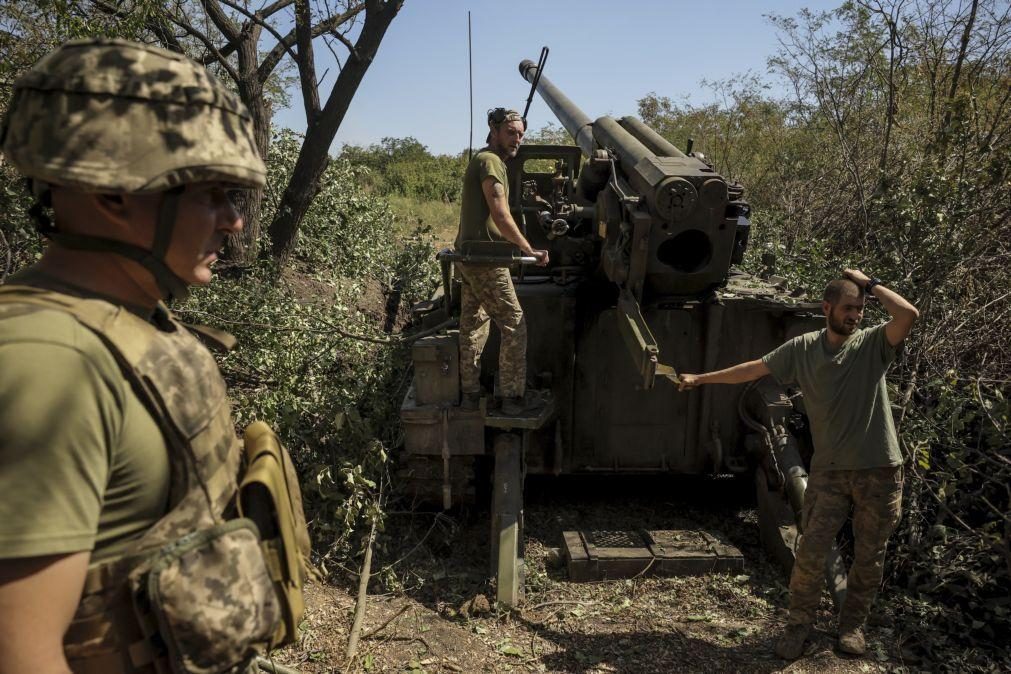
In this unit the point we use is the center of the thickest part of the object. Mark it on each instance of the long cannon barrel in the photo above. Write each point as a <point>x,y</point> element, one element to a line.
<point>604,132</point>
<point>568,113</point>
<point>659,145</point>
<point>589,136</point>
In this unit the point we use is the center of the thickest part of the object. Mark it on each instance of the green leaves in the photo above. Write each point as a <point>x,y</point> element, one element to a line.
<point>333,400</point>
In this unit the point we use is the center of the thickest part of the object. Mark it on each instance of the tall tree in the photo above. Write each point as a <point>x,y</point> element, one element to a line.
<point>229,37</point>
<point>322,123</point>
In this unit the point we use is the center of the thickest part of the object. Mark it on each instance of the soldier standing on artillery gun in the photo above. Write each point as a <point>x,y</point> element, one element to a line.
<point>488,291</point>
<point>856,463</point>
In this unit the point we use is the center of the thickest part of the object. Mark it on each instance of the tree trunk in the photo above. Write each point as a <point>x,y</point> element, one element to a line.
<point>241,248</point>
<point>945,133</point>
<point>314,155</point>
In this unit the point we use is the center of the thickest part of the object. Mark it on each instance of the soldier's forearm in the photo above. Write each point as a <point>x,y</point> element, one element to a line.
<point>738,374</point>
<point>510,231</point>
<point>895,304</point>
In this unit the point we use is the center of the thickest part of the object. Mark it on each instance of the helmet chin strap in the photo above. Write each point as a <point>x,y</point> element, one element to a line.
<point>172,287</point>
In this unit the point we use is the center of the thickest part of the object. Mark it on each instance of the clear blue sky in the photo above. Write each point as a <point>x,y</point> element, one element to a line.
<point>605,55</point>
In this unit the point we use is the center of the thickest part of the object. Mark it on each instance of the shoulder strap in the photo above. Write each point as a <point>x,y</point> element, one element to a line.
<point>122,333</point>
<point>119,330</point>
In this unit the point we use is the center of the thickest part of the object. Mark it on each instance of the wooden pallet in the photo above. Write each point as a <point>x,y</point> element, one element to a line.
<point>604,555</point>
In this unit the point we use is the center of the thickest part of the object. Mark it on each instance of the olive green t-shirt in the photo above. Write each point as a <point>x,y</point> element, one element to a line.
<point>844,395</point>
<point>83,465</point>
<point>475,217</point>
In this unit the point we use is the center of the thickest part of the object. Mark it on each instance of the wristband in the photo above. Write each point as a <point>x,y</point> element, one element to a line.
<point>869,286</point>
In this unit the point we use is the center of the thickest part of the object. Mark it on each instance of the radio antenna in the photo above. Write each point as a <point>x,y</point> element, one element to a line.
<point>470,75</point>
<point>533,85</point>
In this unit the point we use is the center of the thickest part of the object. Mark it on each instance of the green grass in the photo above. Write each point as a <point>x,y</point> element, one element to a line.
<point>410,213</point>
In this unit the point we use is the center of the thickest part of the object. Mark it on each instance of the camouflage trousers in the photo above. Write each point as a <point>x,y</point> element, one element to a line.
<point>488,293</point>
<point>875,497</point>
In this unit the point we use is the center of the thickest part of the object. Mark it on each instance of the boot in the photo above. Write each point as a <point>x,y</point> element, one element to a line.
<point>526,405</point>
<point>470,401</point>
<point>852,641</point>
<point>791,645</point>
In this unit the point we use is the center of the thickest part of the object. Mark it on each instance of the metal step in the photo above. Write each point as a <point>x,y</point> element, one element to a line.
<point>608,555</point>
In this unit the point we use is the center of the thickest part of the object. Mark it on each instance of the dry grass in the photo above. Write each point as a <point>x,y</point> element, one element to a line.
<point>442,217</point>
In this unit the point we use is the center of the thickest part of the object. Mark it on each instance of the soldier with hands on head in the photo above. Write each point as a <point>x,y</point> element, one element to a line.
<point>488,291</point>
<point>120,549</point>
<point>856,464</point>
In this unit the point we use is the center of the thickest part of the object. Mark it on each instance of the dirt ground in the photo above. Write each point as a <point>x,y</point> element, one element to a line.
<point>437,617</point>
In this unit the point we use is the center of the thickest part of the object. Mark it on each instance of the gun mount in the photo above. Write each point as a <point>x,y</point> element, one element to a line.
<point>643,240</point>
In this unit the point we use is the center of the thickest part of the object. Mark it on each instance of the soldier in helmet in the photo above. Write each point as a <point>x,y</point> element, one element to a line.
<point>118,456</point>
<point>488,291</point>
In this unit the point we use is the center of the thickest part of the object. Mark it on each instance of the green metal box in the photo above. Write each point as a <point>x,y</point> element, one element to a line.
<point>437,369</point>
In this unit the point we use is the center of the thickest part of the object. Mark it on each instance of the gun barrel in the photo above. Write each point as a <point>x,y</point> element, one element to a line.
<point>610,134</point>
<point>604,132</point>
<point>657,144</point>
<point>575,121</point>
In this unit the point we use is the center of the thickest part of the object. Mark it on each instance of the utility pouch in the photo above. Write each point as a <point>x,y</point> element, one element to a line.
<point>269,495</point>
<point>212,598</point>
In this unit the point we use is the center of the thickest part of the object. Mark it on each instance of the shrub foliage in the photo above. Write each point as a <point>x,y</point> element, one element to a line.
<point>315,356</point>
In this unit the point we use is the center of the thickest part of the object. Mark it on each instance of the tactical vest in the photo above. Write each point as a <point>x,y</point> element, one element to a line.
<point>198,591</point>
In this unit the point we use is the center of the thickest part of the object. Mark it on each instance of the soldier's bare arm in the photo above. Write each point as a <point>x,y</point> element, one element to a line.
<point>902,312</point>
<point>38,597</point>
<point>495,195</point>
<point>738,374</point>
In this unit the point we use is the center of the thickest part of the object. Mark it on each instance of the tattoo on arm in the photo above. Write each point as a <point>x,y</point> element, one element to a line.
<point>498,190</point>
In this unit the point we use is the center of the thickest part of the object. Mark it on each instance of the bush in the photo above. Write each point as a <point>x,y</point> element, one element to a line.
<point>404,167</point>
<point>333,398</point>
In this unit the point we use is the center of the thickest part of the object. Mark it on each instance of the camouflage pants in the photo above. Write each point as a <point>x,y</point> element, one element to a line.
<point>875,496</point>
<point>488,293</point>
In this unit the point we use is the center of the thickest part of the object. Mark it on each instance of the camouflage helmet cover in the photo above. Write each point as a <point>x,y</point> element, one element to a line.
<point>122,117</point>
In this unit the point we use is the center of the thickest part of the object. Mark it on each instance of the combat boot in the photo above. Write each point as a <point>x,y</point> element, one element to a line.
<point>852,641</point>
<point>791,645</point>
<point>470,401</point>
<point>528,404</point>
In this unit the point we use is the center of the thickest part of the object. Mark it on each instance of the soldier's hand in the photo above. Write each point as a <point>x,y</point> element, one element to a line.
<point>687,382</point>
<point>542,257</point>
<point>857,277</point>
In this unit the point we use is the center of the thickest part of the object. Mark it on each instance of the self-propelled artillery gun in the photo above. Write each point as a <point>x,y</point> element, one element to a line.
<point>642,284</point>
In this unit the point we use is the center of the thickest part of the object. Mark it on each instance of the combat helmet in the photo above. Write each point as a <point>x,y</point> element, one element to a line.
<point>118,117</point>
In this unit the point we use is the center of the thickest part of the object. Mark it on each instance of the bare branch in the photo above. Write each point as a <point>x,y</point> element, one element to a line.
<point>271,60</point>
<point>956,75</point>
<point>221,20</point>
<point>219,57</point>
<point>266,12</point>
<point>347,43</point>
<point>336,57</point>
<point>259,20</point>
